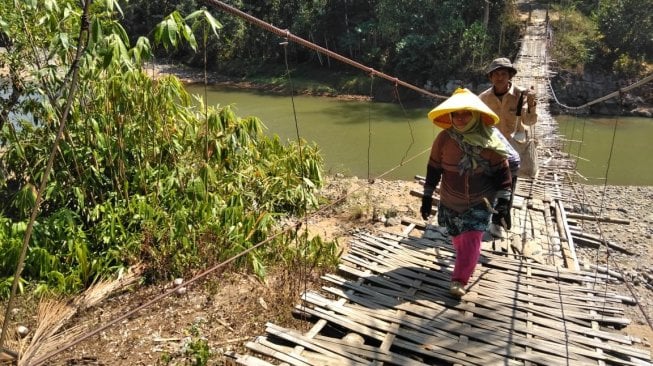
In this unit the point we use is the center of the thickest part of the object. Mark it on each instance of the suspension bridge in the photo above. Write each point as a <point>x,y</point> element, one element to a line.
<point>530,301</point>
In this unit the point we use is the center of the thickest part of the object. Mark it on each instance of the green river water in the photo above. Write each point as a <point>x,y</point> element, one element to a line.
<point>369,140</point>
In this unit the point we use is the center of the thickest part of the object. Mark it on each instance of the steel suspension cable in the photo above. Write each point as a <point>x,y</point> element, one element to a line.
<point>601,99</point>
<point>291,37</point>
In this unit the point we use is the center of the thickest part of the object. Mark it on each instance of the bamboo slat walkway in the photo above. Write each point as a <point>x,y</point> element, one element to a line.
<point>529,302</point>
<point>390,305</point>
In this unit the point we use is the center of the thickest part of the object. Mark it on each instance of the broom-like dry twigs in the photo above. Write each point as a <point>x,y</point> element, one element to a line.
<point>54,314</point>
<point>11,346</point>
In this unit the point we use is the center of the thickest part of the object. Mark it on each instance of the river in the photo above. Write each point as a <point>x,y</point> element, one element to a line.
<point>370,140</point>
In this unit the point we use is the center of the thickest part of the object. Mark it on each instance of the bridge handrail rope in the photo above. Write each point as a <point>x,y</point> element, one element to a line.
<point>601,99</point>
<point>291,37</point>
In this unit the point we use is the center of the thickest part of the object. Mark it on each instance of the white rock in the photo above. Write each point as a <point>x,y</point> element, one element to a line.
<point>22,331</point>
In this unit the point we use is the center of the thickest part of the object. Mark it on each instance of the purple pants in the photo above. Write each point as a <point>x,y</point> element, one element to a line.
<point>468,250</point>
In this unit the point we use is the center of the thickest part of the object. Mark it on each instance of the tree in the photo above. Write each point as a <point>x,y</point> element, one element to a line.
<point>131,171</point>
<point>626,26</point>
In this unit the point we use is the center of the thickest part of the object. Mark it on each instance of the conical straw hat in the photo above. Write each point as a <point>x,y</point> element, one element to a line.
<point>461,99</point>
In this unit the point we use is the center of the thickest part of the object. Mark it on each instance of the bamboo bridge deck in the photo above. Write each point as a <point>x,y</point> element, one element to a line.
<point>529,302</point>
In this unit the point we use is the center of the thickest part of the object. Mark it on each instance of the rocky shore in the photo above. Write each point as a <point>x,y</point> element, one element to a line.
<point>635,262</point>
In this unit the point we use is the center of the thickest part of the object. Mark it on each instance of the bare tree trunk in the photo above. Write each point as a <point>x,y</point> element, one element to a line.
<point>319,57</point>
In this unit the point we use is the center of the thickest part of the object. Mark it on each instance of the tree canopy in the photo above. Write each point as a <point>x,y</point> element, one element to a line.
<point>416,40</point>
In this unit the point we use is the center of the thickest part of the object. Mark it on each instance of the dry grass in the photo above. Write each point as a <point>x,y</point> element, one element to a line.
<point>54,314</point>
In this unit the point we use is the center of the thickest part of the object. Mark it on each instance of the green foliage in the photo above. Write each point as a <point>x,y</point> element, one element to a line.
<point>604,35</point>
<point>141,174</point>
<point>416,40</point>
<point>198,350</point>
<point>575,42</point>
<point>627,67</point>
<point>625,45</point>
<point>627,26</point>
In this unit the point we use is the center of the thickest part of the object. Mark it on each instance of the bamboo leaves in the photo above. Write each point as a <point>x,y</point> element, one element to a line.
<point>173,29</point>
<point>204,18</point>
<point>141,175</point>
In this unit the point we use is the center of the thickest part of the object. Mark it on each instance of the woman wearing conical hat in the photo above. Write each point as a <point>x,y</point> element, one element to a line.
<point>470,162</point>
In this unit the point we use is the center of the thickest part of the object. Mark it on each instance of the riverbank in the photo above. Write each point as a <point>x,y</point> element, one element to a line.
<point>628,105</point>
<point>193,76</point>
<point>226,310</point>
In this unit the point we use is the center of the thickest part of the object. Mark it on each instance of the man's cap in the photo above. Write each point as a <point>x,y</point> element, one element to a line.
<point>501,63</point>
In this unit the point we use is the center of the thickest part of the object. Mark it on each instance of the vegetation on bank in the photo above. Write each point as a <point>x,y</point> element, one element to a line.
<point>413,40</point>
<point>605,36</point>
<point>132,171</point>
<point>416,41</point>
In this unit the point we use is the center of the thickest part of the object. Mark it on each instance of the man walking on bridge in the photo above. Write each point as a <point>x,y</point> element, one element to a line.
<point>507,100</point>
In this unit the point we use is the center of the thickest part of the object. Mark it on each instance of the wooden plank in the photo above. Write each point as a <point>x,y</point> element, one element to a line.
<point>598,241</point>
<point>450,326</point>
<point>370,352</point>
<point>408,229</point>
<point>443,281</point>
<point>265,350</point>
<point>342,321</point>
<point>567,242</point>
<point>248,360</point>
<point>486,313</point>
<point>288,334</point>
<point>490,336</point>
<point>612,220</point>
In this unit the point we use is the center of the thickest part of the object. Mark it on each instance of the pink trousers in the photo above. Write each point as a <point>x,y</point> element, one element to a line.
<point>468,250</point>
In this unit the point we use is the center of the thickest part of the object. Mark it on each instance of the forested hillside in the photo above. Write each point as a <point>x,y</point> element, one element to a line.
<point>610,36</point>
<point>415,40</point>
